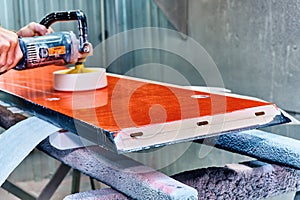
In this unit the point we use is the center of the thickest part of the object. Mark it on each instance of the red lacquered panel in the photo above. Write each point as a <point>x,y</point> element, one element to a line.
<point>124,103</point>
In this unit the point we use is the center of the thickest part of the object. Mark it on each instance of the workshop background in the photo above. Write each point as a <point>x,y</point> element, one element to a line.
<point>255,45</point>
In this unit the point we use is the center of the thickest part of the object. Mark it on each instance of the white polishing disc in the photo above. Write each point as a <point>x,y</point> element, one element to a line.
<point>81,81</point>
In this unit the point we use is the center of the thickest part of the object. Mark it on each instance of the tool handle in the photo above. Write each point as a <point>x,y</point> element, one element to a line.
<point>76,15</point>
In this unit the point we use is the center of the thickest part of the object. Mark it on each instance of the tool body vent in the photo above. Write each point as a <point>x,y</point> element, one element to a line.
<point>32,53</point>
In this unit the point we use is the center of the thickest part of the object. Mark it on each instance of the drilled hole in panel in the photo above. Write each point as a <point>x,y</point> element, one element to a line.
<point>137,134</point>
<point>202,123</point>
<point>63,131</point>
<point>261,113</point>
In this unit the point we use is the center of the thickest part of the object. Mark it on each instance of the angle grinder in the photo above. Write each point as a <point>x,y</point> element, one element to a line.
<point>58,48</point>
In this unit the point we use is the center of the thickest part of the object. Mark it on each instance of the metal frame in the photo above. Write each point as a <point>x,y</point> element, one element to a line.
<point>50,188</point>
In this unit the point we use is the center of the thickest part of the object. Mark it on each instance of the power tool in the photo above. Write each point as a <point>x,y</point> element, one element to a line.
<point>59,48</point>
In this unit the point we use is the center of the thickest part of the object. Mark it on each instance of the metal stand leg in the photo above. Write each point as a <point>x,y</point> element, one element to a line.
<point>75,181</point>
<point>53,184</point>
<point>297,196</point>
<point>47,192</point>
<point>93,187</point>
<point>18,192</point>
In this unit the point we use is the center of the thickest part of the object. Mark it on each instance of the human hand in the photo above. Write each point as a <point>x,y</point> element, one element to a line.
<point>10,52</point>
<point>34,29</point>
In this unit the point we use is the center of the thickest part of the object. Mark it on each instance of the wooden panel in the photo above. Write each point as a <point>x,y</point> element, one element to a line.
<point>125,102</point>
<point>123,98</point>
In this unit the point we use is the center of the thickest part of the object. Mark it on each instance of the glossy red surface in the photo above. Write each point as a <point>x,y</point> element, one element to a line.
<point>123,103</point>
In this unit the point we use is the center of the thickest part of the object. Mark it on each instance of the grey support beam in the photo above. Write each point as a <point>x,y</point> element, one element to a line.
<point>250,180</point>
<point>121,173</point>
<point>261,145</point>
<point>107,194</point>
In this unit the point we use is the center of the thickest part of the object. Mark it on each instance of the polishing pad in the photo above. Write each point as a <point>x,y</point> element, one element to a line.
<point>81,81</point>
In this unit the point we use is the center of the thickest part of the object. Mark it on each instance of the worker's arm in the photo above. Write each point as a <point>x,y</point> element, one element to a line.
<point>10,52</point>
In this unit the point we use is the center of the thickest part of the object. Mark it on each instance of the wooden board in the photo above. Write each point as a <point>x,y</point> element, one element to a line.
<point>134,114</point>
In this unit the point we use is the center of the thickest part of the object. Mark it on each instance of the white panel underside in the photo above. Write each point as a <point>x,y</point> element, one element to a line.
<point>189,129</point>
